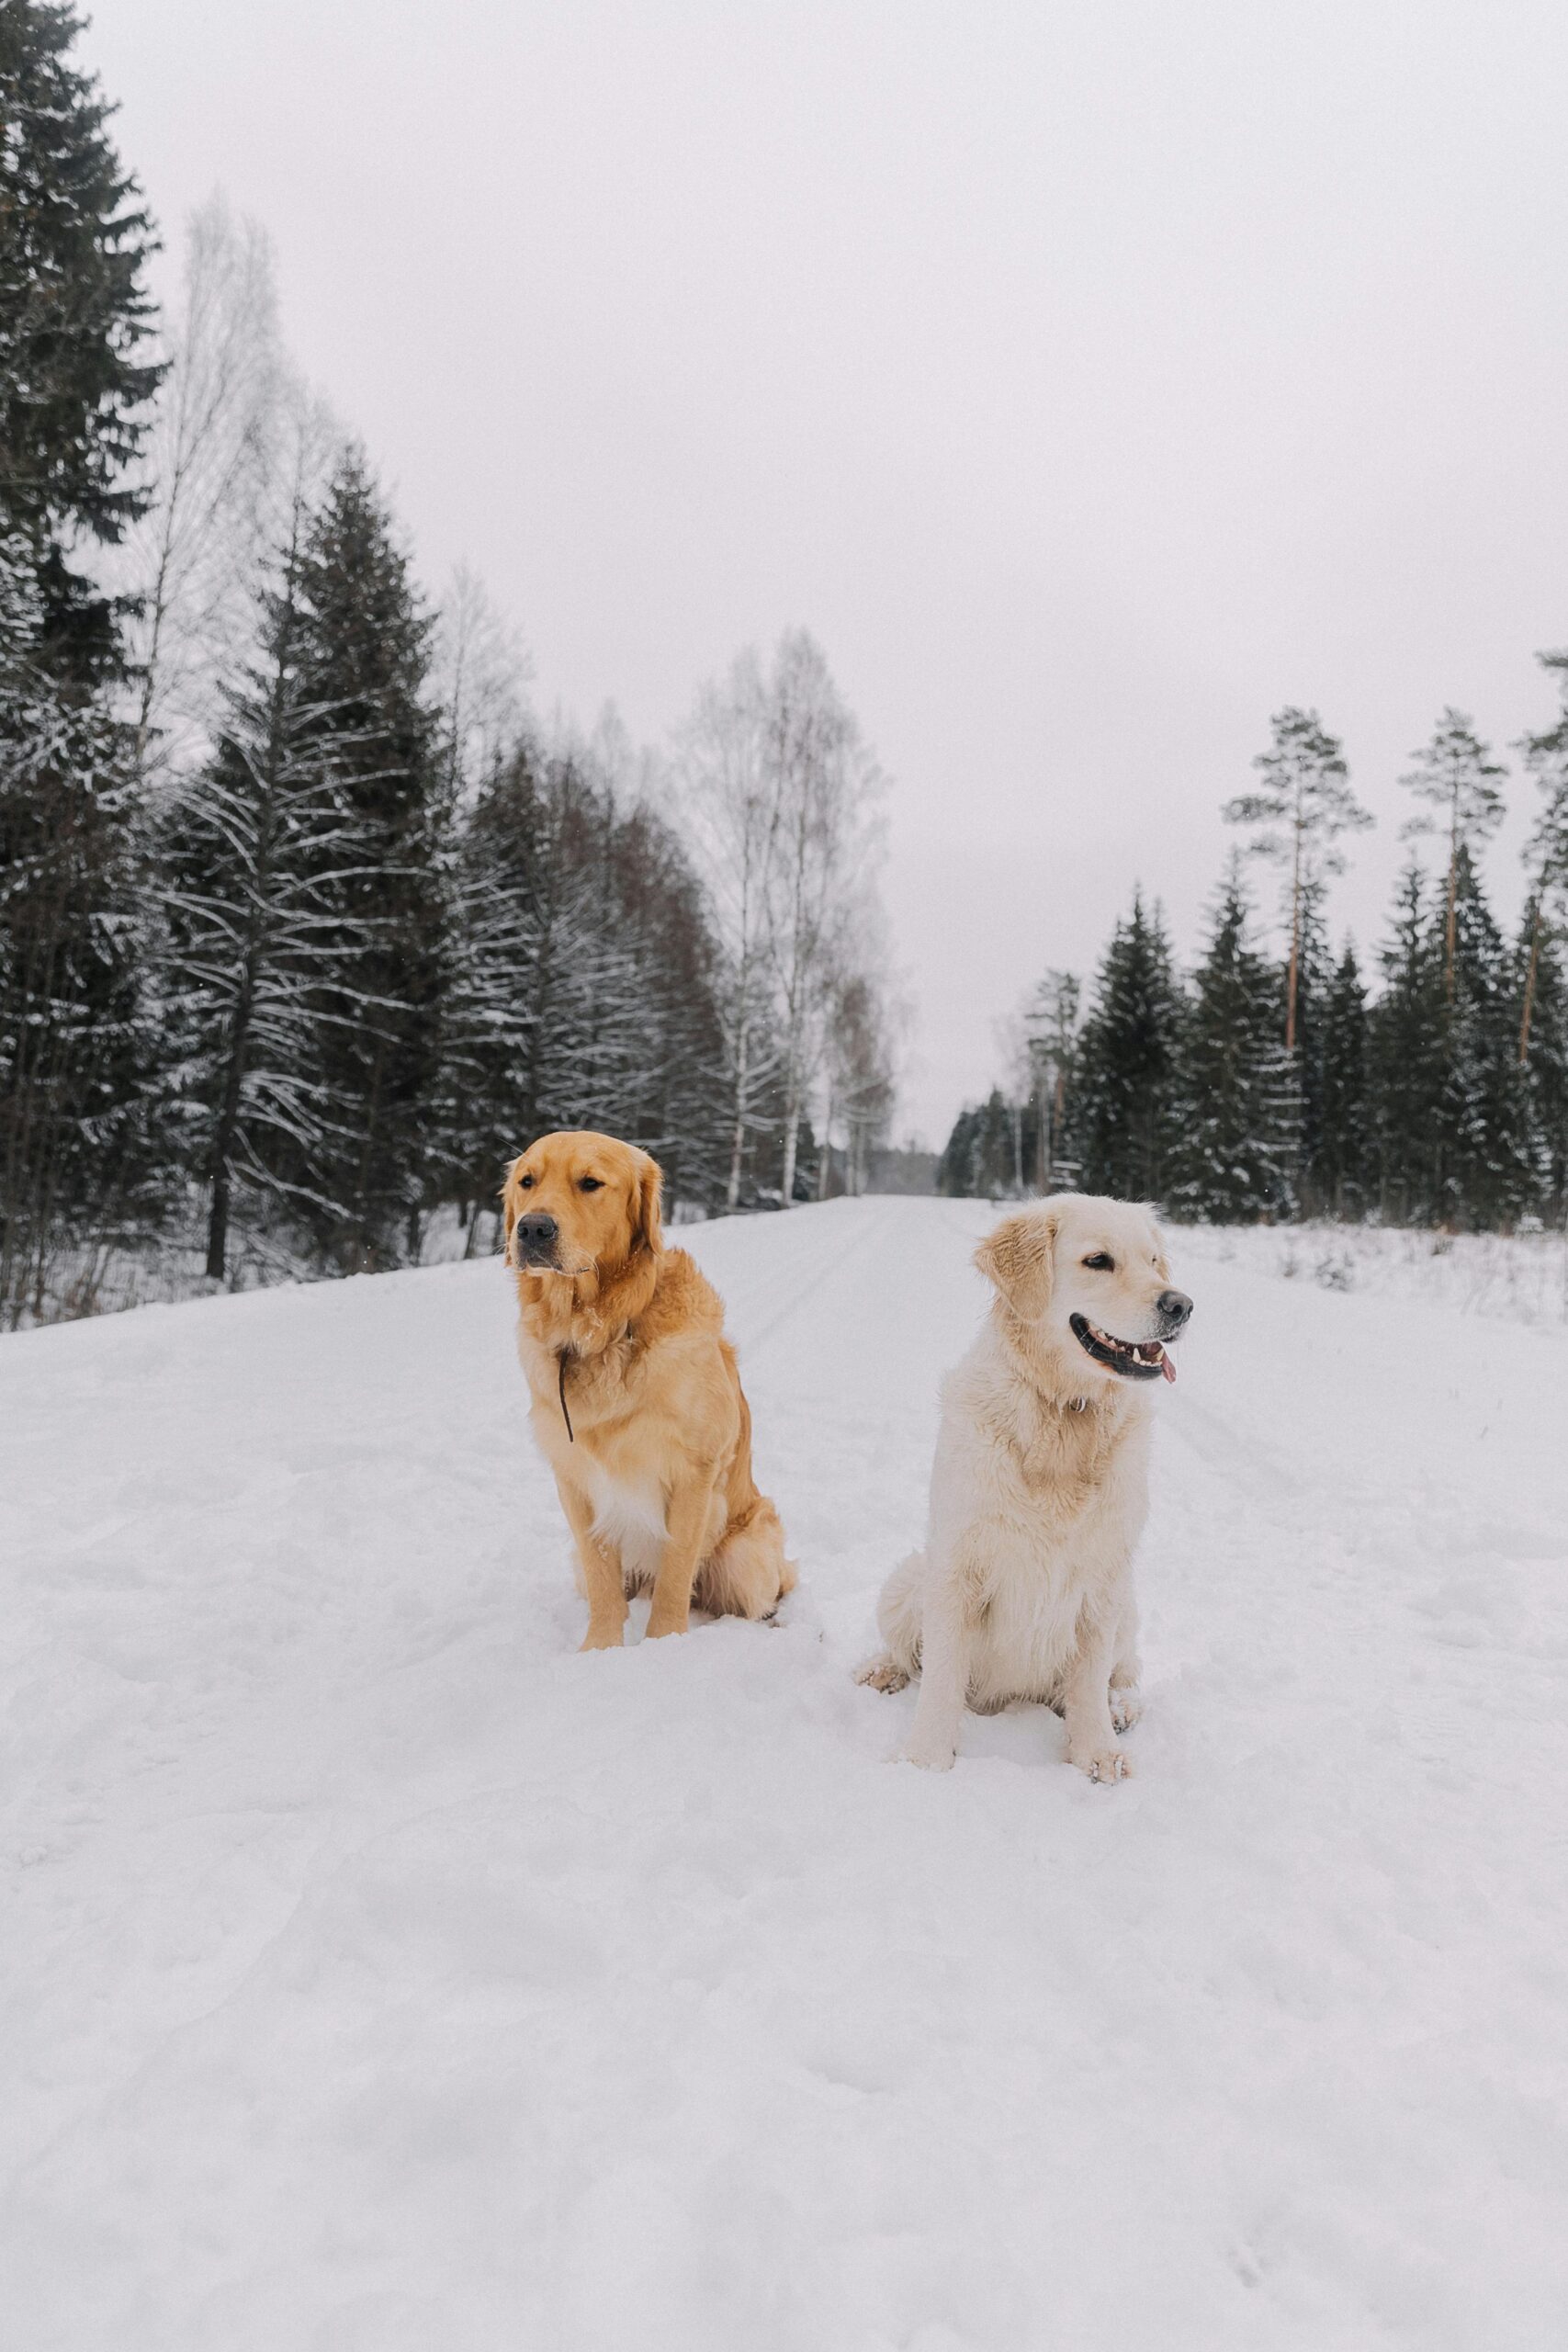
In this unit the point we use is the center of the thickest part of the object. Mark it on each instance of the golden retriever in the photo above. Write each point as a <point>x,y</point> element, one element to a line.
<point>637,1405</point>
<point>1040,1487</point>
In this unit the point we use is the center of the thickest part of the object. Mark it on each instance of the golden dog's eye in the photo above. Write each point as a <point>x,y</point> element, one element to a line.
<point>525,1183</point>
<point>590,1184</point>
<point>1100,1263</point>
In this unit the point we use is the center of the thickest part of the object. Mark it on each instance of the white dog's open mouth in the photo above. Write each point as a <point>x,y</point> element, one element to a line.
<point>1134,1359</point>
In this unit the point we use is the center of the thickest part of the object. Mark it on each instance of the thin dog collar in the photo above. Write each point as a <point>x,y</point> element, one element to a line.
<point>564,1414</point>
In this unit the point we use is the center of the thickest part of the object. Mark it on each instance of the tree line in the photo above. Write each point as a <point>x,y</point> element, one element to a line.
<point>1430,1088</point>
<point>306,924</point>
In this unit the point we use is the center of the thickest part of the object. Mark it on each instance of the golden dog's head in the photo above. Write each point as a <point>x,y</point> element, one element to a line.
<point>581,1204</point>
<point>1089,1278</point>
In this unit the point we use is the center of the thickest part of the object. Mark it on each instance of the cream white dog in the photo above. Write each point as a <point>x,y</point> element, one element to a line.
<point>1040,1487</point>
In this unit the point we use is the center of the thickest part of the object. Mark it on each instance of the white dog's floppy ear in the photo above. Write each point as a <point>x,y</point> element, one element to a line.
<point>1019,1256</point>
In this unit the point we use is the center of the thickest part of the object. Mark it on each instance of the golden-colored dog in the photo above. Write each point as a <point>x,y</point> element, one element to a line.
<point>636,1402</point>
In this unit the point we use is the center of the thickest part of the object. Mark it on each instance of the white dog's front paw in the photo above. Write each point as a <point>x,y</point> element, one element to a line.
<point>928,1759</point>
<point>1104,1764</point>
<point>882,1673</point>
<point>1126,1706</point>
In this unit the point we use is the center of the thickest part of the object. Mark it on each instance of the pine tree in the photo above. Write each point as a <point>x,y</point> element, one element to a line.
<point>1546,856</point>
<point>364,651</point>
<point>74,1037</point>
<point>1485,1171</point>
<point>1343,1163</point>
<point>1407,1061</point>
<point>1454,775</point>
<point>75,313</point>
<point>1542,958</point>
<point>1125,1120</point>
<point>259,851</point>
<point>75,1145</point>
<point>1305,804</point>
<point>1237,1147</point>
<point>1309,1063</point>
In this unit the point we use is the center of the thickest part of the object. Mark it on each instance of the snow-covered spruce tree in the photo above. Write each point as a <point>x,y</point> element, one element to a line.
<point>1546,855</point>
<point>1405,1056</point>
<point>1125,1124</point>
<point>1459,781</point>
<point>76,374</point>
<point>73,391</point>
<point>259,854</point>
<point>364,652</point>
<point>1302,806</point>
<point>1541,962</point>
<point>1484,1164</point>
<point>1343,1162</point>
<point>1308,1070</point>
<point>77,1162</point>
<point>1235,1156</point>
<point>582,992</point>
<point>983,1152</point>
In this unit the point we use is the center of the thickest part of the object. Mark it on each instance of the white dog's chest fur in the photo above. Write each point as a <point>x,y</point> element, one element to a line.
<point>1061,1500</point>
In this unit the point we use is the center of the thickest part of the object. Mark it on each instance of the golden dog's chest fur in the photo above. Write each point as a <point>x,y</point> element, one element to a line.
<point>654,1471</point>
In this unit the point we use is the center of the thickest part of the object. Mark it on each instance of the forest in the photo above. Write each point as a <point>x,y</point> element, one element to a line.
<point>307,923</point>
<point>1430,1088</point>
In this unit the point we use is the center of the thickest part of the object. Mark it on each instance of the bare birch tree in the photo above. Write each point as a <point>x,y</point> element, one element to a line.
<point>733,805</point>
<point>479,675</point>
<point>214,457</point>
<point>824,783</point>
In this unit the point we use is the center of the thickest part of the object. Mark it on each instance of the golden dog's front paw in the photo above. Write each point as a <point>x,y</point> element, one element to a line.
<point>882,1674</point>
<point>1106,1764</point>
<point>600,1638</point>
<point>1126,1706</point>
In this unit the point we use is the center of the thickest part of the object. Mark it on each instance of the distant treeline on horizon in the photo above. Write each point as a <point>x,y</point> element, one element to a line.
<point>1259,1086</point>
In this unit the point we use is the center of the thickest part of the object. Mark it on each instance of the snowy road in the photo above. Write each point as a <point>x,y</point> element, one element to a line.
<point>381,1976</point>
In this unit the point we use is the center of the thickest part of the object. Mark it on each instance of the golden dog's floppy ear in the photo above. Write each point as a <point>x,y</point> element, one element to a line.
<point>648,1228</point>
<point>1020,1256</point>
<point>511,1202</point>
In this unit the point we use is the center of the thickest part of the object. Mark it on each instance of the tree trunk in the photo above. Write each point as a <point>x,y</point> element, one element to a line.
<point>792,1144</point>
<point>1292,981</point>
<point>737,1139</point>
<point>1530,973</point>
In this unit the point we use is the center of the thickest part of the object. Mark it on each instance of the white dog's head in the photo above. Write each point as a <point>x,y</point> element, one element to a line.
<point>1089,1280</point>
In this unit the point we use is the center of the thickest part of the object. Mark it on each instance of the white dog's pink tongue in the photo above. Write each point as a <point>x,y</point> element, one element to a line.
<point>1167,1366</point>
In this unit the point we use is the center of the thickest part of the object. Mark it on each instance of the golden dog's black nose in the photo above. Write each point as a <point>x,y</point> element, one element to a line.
<point>536,1232</point>
<point>1175,1306</point>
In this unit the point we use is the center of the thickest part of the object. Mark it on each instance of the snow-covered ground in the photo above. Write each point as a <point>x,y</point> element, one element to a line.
<point>1522,1277</point>
<point>379,1976</point>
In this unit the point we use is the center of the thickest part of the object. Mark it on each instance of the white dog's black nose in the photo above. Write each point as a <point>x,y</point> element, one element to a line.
<point>1175,1306</point>
<point>536,1232</point>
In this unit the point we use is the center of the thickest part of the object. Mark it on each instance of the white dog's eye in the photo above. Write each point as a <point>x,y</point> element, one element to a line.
<point>1098,1262</point>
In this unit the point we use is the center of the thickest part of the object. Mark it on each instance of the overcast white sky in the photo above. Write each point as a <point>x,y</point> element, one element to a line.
<point>1091,380</point>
